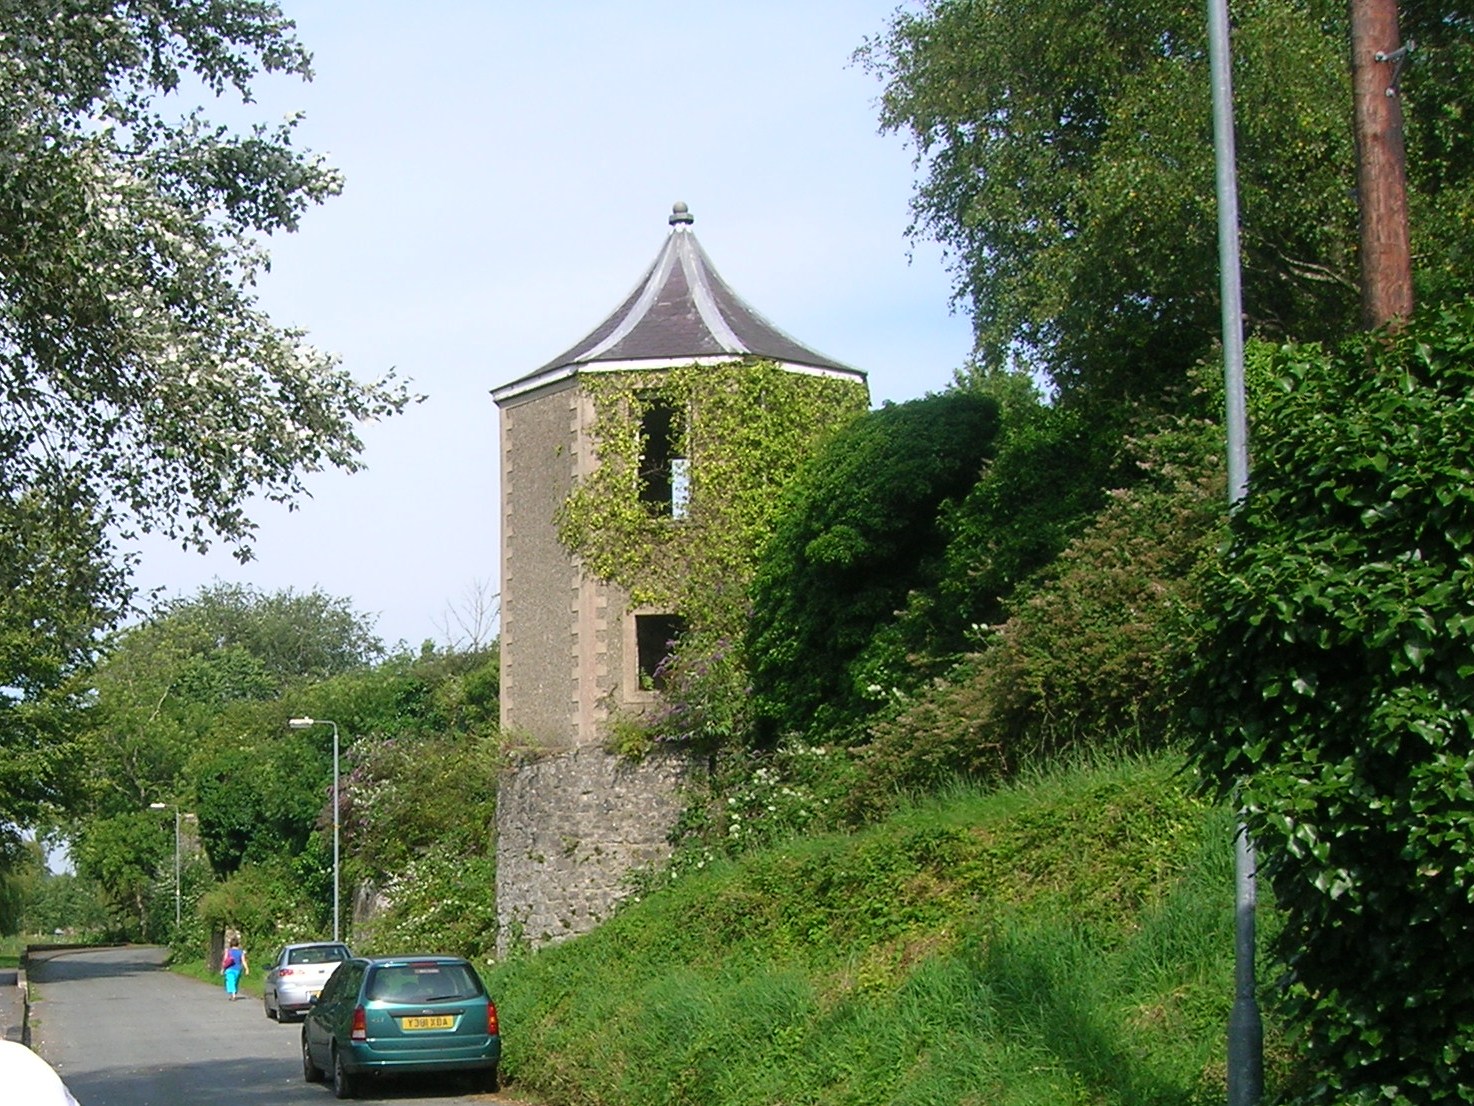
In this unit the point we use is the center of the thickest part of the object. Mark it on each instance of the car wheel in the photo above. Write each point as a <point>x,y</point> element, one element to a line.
<point>310,1071</point>
<point>344,1085</point>
<point>274,1015</point>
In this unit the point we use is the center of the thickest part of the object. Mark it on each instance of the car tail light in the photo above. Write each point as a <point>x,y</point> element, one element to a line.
<point>491,1028</point>
<point>359,1032</point>
<point>284,971</point>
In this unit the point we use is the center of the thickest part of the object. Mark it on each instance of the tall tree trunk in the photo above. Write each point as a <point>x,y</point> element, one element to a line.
<point>1386,256</point>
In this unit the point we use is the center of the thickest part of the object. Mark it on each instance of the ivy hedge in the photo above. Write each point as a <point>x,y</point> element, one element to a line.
<point>1335,686</point>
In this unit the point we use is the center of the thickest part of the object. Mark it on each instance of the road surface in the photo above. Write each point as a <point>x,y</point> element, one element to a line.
<point>123,1031</point>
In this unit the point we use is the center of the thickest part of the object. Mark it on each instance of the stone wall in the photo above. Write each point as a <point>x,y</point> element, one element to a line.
<point>570,829</point>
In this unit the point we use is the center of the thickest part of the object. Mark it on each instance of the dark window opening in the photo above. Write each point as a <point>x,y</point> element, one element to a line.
<point>655,641</point>
<point>663,472</point>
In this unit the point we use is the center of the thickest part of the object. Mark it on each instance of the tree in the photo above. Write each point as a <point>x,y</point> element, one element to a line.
<point>293,636</point>
<point>122,854</point>
<point>141,387</point>
<point>62,902</point>
<point>1438,113</point>
<point>164,685</point>
<point>51,610</point>
<point>259,800</point>
<point>1332,697</point>
<point>138,372</point>
<point>856,534</point>
<point>1066,151</point>
<point>470,626</point>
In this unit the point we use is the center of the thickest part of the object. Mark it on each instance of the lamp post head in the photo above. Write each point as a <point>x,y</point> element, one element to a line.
<point>158,806</point>
<point>300,723</point>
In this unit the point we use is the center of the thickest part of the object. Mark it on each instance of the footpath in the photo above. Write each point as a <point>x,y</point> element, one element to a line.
<point>13,1005</point>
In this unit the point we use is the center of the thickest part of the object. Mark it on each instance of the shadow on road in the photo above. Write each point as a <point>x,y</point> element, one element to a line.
<point>62,965</point>
<point>244,1083</point>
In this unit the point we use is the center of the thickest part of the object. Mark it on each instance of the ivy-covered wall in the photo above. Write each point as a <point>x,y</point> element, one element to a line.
<point>747,426</point>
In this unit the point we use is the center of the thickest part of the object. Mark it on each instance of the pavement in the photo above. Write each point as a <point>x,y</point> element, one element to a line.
<point>13,1005</point>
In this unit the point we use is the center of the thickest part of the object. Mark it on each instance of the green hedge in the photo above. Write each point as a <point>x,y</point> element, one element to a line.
<point>1335,695</point>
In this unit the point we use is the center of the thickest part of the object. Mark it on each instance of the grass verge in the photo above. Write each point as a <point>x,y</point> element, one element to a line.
<point>1065,941</point>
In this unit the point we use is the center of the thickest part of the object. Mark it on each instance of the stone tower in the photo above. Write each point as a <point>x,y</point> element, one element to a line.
<point>573,819</point>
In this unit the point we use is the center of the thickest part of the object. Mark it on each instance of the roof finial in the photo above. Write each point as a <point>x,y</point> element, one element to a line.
<point>680,215</point>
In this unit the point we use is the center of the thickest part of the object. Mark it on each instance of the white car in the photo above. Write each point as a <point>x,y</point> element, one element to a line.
<point>296,977</point>
<point>29,1079</point>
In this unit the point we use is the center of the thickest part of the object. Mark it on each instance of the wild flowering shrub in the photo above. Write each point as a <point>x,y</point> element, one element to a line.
<point>755,799</point>
<point>406,796</point>
<point>441,902</point>
<point>704,697</point>
<point>1334,696</point>
<point>1091,650</point>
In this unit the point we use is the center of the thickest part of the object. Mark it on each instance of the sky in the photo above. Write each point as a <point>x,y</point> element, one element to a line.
<point>510,169</point>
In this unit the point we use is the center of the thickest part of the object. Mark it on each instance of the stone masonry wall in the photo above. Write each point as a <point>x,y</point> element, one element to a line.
<point>570,828</point>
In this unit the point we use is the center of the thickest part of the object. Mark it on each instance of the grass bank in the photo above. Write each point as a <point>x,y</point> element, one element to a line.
<point>1064,941</point>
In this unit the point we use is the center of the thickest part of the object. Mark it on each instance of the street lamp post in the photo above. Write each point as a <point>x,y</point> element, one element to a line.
<point>302,724</point>
<point>175,806</point>
<point>1245,1028</point>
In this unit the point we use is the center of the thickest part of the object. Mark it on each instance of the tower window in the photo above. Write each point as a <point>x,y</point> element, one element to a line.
<point>664,474</point>
<point>655,641</point>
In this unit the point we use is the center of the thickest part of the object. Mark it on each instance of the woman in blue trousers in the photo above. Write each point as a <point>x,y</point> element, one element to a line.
<point>233,966</point>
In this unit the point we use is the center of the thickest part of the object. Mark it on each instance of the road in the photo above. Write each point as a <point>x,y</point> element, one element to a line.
<point>123,1031</point>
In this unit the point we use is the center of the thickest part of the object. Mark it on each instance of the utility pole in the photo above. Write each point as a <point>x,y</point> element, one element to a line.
<point>1377,56</point>
<point>1245,1026</point>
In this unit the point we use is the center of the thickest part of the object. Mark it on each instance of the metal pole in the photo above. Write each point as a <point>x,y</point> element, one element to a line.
<point>336,930</point>
<point>176,867</point>
<point>1245,1029</point>
<point>1230,287</point>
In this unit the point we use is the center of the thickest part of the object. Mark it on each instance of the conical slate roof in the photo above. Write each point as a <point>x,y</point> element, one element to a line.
<point>680,311</point>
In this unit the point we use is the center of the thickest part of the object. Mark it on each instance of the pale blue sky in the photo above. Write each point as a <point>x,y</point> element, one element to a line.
<point>510,167</point>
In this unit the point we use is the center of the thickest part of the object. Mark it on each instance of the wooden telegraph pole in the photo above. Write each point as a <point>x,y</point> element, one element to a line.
<point>1377,55</point>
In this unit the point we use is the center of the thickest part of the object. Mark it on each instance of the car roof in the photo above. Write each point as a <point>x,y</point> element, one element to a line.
<point>416,958</point>
<point>314,945</point>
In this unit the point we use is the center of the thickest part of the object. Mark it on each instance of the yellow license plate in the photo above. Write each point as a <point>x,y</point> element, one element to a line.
<point>440,1021</point>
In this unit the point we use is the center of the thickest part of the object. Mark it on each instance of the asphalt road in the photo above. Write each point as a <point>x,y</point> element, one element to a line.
<point>123,1031</point>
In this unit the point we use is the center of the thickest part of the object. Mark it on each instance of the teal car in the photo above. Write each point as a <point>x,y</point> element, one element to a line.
<point>397,1015</point>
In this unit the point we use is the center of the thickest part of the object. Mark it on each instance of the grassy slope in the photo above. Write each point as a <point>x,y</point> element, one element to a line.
<point>1068,941</point>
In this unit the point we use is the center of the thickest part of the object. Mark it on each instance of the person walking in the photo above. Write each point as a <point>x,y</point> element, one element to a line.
<point>233,966</point>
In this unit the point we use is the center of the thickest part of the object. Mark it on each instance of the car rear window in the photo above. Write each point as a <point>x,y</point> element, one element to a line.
<point>326,954</point>
<point>423,982</point>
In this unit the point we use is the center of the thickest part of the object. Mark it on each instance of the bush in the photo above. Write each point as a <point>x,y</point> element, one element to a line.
<point>858,533</point>
<point>410,795</point>
<point>441,902</point>
<point>1091,650</point>
<point>756,799</point>
<point>270,903</point>
<point>1333,693</point>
